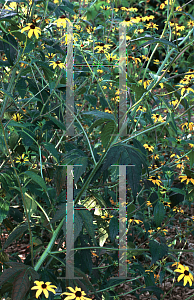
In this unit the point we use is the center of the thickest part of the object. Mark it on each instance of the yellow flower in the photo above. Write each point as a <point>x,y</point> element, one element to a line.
<point>132,220</point>
<point>154,180</point>
<point>141,108</point>
<point>111,57</point>
<point>62,21</point>
<point>50,55</point>
<point>187,125</point>
<point>187,178</point>
<point>151,25</point>
<point>43,287</point>
<point>76,294</point>
<point>157,118</point>
<point>57,63</point>
<point>32,30</point>
<point>186,276</point>
<point>149,147</point>
<point>21,159</point>
<point>17,117</point>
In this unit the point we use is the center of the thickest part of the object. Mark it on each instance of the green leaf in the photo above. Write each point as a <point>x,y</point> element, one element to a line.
<point>14,137</point>
<point>99,114</point>
<point>10,48</point>
<point>159,41</point>
<point>87,218</point>
<point>92,99</point>
<point>15,234</point>
<point>4,208</point>
<point>113,228</point>
<point>191,158</point>
<point>159,213</point>
<point>106,133</point>
<point>51,148</point>
<point>30,205</point>
<point>21,285</point>
<point>157,250</point>
<point>58,123</point>
<point>130,210</point>
<point>79,170</point>
<point>39,180</point>
<point>21,87</point>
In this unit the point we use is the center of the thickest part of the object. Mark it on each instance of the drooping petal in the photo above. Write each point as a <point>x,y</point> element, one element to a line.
<point>38,293</point>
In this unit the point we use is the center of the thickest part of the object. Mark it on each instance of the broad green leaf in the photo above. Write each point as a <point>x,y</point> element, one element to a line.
<point>113,228</point>
<point>15,234</point>
<point>107,132</point>
<point>4,208</point>
<point>87,218</point>
<point>58,123</point>
<point>51,148</point>
<point>79,170</point>
<point>92,99</point>
<point>130,210</point>
<point>21,87</point>
<point>21,285</point>
<point>38,179</point>
<point>157,250</point>
<point>30,205</point>
<point>159,213</point>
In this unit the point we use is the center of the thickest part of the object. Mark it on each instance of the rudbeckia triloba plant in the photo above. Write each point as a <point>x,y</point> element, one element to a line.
<point>96,149</point>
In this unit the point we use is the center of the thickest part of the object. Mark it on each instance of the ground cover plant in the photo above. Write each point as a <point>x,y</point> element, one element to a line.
<point>96,105</point>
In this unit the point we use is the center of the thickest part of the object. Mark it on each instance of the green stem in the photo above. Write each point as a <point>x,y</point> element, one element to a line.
<point>49,247</point>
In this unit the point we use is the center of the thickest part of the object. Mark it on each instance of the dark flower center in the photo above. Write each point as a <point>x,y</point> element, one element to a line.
<point>44,286</point>
<point>157,116</point>
<point>78,294</point>
<point>32,26</point>
<point>153,177</point>
<point>186,273</point>
<point>63,17</point>
<point>57,62</point>
<point>127,19</point>
<point>21,160</point>
<point>188,177</point>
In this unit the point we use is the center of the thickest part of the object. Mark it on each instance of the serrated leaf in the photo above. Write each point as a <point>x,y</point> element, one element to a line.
<point>159,213</point>
<point>78,224</point>
<point>79,170</point>
<point>157,250</point>
<point>51,148</point>
<point>113,228</point>
<point>96,123</point>
<point>60,213</point>
<point>7,274</point>
<point>106,133</point>
<point>87,218</point>
<point>21,286</point>
<point>15,234</point>
<point>38,179</point>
